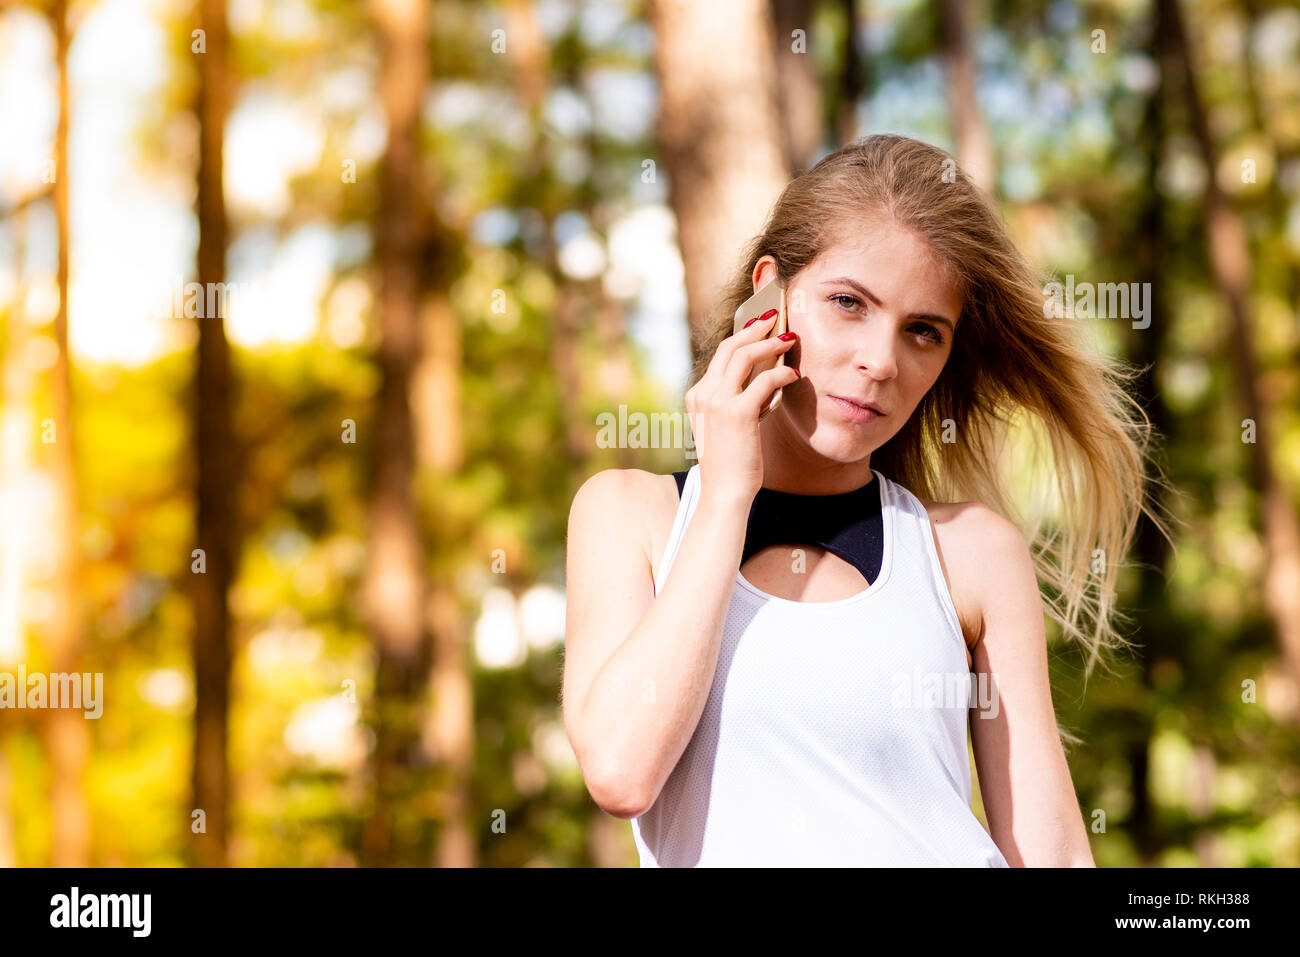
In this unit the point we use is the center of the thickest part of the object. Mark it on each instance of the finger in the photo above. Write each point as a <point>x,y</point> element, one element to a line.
<point>756,330</point>
<point>747,357</point>
<point>758,393</point>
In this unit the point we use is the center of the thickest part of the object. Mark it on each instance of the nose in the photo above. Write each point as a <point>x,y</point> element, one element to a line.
<point>876,356</point>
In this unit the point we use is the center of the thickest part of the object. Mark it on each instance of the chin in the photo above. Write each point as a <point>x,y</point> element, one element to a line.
<point>836,445</point>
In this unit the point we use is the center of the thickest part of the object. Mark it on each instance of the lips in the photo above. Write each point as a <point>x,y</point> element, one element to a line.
<point>861,404</point>
<point>854,411</point>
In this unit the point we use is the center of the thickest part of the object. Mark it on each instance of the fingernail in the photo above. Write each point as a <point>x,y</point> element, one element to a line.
<point>750,323</point>
<point>788,336</point>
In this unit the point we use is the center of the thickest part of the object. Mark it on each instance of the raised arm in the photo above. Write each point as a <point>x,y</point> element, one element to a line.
<point>638,668</point>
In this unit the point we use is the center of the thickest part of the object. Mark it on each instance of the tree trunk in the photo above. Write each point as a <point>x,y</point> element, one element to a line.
<point>216,518</point>
<point>719,134</point>
<point>1145,350</point>
<point>798,95</point>
<point>450,728</point>
<point>67,736</point>
<point>447,729</point>
<point>1230,263</point>
<point>853,79</point>
<point>394,586</point>
<point>529,68</point>
<point>440,444</point>
<point>615,370</point>
<point>974,146</point>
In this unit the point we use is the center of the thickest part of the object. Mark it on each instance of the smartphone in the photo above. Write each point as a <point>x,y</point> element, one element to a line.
<point>771,296</point>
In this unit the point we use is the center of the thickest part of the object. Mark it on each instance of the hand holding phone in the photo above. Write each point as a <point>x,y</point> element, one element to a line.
<point>771,296</point>
<point>742,384</point>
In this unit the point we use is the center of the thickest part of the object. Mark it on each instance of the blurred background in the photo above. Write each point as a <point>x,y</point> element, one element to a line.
<point>314,316</point>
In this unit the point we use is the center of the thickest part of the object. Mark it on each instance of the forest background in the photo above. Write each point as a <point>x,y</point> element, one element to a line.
<point>311,312</point>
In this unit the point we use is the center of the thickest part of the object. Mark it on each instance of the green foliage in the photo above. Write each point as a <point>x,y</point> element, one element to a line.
<point>1185,770</point>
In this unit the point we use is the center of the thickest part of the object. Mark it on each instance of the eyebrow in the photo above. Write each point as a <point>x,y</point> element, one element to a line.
<point>866,293</point>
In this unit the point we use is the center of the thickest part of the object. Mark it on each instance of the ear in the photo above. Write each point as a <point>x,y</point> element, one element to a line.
<point>764,272</point>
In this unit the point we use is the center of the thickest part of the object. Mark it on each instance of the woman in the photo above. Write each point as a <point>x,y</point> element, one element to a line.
<point>744,702</point>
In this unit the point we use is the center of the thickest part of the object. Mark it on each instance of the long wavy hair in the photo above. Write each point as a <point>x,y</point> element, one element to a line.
<point>1015,371</point>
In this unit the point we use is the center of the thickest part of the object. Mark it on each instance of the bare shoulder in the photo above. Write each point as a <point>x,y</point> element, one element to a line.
<point>973,520</point>
<point>976,546</point>
<point>633,502</point>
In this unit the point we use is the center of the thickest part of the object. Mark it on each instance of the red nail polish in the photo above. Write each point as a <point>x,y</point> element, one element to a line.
<point>788,336</point>
<point>750,323</point>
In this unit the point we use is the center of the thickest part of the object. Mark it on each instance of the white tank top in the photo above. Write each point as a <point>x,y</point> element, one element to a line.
<point>835,732</point>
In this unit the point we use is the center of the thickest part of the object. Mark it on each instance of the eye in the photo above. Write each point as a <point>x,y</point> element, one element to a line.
<point>932,334</point>
<point>929,332</point>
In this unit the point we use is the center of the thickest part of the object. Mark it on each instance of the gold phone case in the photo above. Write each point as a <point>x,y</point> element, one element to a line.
<point>771,296</point>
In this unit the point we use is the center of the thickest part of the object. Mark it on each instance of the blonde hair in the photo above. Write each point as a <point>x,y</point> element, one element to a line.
<point>1009,362</point>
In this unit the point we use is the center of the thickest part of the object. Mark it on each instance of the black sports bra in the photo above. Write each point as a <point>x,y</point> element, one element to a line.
<point>849,524</point>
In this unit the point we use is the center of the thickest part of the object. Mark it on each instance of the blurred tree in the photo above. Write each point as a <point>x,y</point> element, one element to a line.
<point>798,92</point>
<point>67,735</point>
<point>853,78</point>
<point>528,58</point>
<point>970,132</point>
<point>1230,263</point>
<point>394,589</point>
<point>719,134</point>
<point>215,531</point>
<point>447,732</point>
<point>1146,350</point>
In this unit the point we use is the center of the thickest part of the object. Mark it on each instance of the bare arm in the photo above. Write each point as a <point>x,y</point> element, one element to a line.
<point>1029,798</point>
<point>638,668</point>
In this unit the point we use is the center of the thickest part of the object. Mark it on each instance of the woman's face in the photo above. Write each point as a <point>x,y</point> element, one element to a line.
<point>875,318</point>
